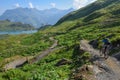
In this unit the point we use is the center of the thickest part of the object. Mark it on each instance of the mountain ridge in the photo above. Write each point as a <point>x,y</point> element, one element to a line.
<point>34,16</point>
<point>82,12</point>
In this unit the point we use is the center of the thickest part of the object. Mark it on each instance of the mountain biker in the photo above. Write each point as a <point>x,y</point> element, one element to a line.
<point>106,45</point>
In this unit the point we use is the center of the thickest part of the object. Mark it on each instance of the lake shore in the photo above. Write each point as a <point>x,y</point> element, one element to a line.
<point>17,32</point>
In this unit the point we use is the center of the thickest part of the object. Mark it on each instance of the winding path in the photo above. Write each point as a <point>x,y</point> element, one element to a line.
<point>45,53</point>
<point>103,69</point>
<point>20,62</point>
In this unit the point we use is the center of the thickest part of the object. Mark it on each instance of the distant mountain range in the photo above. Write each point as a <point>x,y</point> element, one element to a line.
<point>33,16</point>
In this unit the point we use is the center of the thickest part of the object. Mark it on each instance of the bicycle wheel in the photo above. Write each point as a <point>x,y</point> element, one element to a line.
<point>107,52</point>
<point>102,52</point>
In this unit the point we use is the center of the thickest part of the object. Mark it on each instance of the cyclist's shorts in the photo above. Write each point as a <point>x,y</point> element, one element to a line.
<point>107,44</point>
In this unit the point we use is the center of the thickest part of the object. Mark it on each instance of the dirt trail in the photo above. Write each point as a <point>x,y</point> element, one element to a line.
<point>15,63</point>
<point>46,52</point>
<point>20,62</point>
<point>103,69</point>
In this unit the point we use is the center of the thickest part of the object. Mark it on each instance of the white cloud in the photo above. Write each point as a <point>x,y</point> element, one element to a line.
<point>31,5</point>
<point>81,3</point>
<point>17,5</point>
<point>53,4</point>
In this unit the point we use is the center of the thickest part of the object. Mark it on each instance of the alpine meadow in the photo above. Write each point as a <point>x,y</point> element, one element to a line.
<point>68,50</point>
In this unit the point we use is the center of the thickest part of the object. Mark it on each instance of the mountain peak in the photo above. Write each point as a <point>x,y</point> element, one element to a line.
<point>20,8</point>
<point>53,9</point>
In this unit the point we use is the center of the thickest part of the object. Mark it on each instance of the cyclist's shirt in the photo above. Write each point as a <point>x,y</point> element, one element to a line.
<point>106,41</point>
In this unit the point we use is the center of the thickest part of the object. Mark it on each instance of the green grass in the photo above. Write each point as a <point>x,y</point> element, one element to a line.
<point>25,45</point>
<point>6,25</point>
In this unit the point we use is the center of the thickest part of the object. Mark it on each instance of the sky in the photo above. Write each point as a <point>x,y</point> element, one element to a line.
<point>43,4</point>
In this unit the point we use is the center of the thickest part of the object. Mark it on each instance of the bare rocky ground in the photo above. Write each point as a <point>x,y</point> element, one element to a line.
<point>104,69</point>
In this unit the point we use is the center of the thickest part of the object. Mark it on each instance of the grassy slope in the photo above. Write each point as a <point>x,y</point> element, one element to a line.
<point>13,26</point>
<point>102,21</point>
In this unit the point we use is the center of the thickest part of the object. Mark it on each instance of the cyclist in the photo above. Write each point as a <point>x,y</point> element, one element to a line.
<point>106,46</point>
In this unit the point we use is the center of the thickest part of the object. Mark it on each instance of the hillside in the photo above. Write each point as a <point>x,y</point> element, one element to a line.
<point>34,16</point>
<point>102,21</point>
<point>72,57</point>
<point>90,9</point>
<point>6,25</point>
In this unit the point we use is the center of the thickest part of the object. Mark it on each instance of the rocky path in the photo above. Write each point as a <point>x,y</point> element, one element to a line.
<point>14,64</point>
<point>19,62</point>
<point>46,52</point>
<point>103,69</point>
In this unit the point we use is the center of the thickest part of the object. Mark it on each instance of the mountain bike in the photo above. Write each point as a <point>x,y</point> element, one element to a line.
<point>105,50</point>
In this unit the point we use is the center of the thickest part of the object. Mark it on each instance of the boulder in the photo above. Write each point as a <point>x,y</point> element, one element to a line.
<point>94,43</point>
